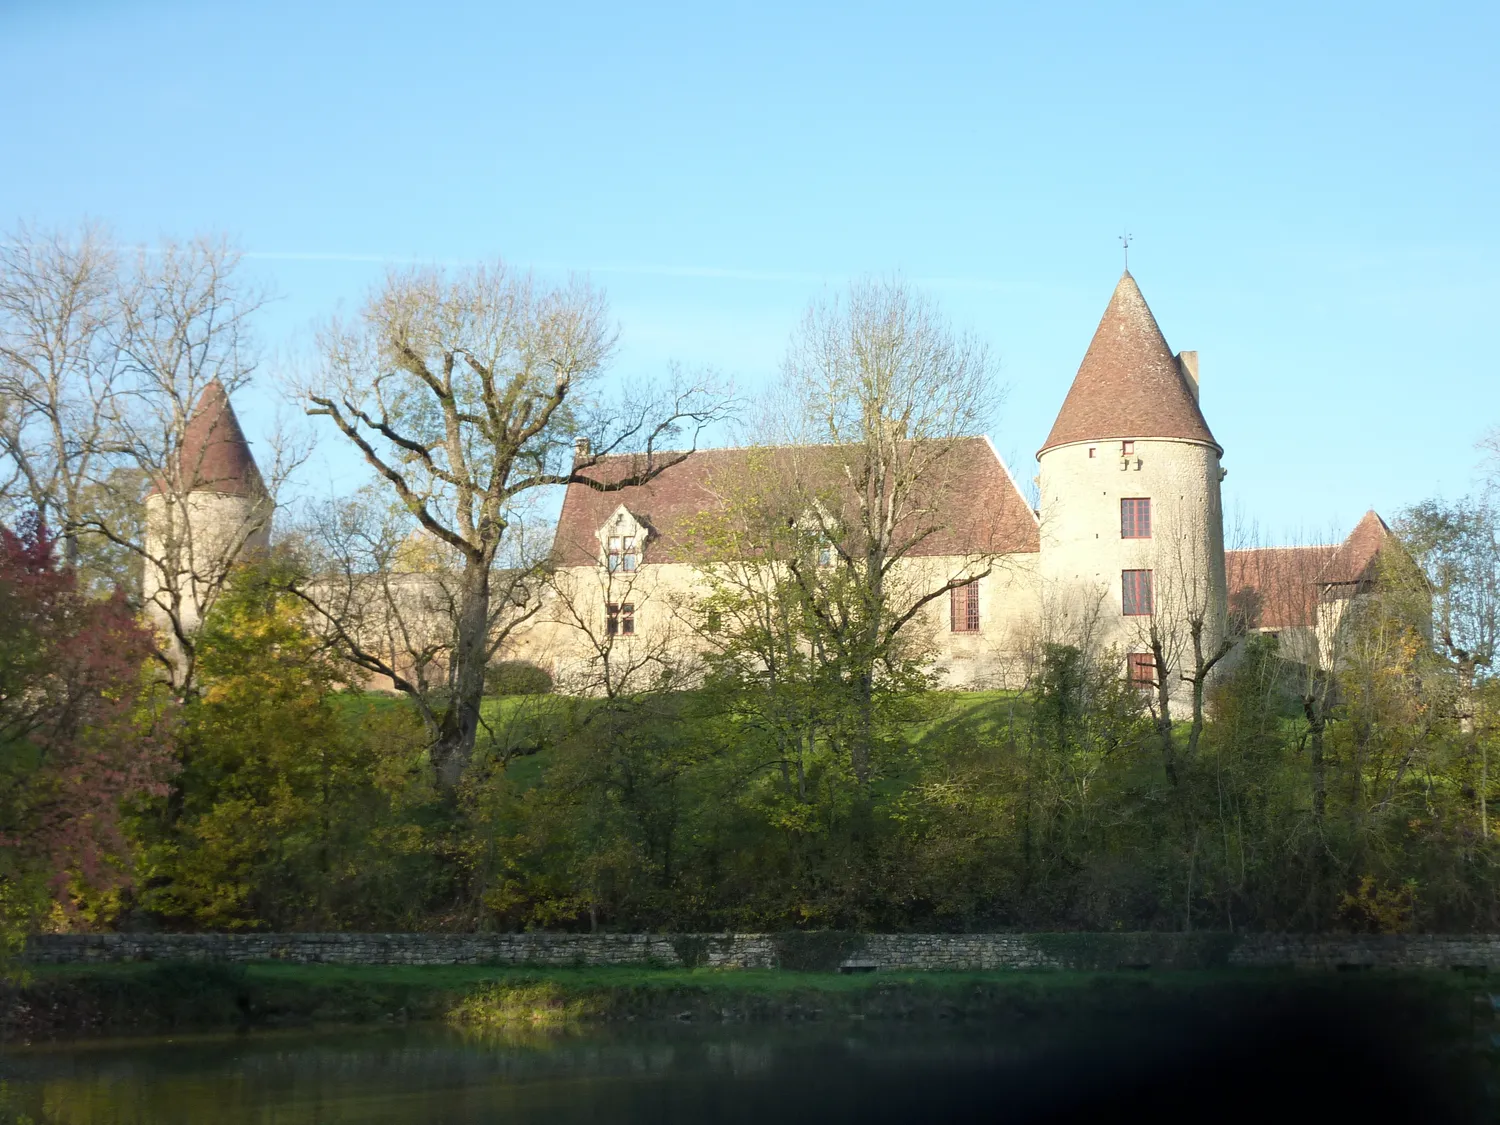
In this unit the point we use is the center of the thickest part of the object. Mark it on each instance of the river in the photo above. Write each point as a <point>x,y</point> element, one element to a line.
<point>636,1074</point>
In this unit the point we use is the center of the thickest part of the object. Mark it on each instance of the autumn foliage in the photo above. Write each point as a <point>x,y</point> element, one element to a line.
<point>78,731</point>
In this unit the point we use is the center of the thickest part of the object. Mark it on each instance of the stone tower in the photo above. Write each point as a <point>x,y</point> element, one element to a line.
<point>209,510</point>
<point>1132,527</point>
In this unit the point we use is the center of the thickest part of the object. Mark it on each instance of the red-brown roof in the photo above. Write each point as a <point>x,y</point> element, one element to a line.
<point>1280,587</point>
<point>1356,555</point>
<point>977,510</point>
<point>215,457</point>
<point>1276,587</point>
<point>1129,385</point>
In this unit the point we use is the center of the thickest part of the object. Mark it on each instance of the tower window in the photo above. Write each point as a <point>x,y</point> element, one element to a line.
<point>1136,594</point>
<point>1135,517</point>
<point>1092,451</point>
<point>1141,669</point>
<point>619,619</point>
<point>963,608</point>
<point>1127,448</point>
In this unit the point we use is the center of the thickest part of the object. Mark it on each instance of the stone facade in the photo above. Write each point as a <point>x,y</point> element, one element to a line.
<point>882,952</point>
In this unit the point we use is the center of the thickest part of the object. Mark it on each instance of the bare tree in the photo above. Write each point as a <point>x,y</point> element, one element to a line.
<point>1489,445</point>
<point>464,395</point>
<point>184,346</point>
<point>388,594</point>
<point>877,400</point>
<point>1458,548</point>
<point>1278,590</point>
<point>59,370</point>
<point>103,367</point>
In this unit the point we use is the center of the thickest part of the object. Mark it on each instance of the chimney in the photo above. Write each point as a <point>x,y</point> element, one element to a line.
<point>580,449</point>
<point>1188,362</point>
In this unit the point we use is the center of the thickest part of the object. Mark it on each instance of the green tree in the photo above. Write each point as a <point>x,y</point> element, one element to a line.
<point>279,815</point>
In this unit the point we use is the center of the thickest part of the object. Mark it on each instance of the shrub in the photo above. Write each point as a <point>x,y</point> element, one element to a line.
<point>516,677</point>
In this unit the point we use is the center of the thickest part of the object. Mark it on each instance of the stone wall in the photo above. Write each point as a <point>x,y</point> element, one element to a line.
<point>804,951</point>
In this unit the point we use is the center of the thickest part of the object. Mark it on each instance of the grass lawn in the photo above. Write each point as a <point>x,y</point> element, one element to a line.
<point>69,1000</point>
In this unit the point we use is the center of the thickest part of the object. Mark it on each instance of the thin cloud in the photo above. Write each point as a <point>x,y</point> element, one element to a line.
<point>627,269</point>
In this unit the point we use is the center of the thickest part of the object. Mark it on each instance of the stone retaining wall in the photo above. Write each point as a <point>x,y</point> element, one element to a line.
<point>811,951</point>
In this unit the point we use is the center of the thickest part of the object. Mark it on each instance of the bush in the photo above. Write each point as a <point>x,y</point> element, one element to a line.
<point>516,677</point>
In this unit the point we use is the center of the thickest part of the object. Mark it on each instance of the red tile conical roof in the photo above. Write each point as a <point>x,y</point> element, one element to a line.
<point>215,457</point>
<point>1129,384</point>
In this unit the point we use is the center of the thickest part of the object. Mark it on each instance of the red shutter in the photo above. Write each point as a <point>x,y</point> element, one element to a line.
<point>1142,669</point>
<point>1135,518</point>
<point>963,608</point>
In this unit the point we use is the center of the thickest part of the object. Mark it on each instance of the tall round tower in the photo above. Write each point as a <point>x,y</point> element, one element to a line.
<point>1132,525</point>
<point>209,509</point>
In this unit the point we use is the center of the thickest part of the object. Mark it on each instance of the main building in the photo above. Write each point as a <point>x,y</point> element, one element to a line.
<point>1124,556</point>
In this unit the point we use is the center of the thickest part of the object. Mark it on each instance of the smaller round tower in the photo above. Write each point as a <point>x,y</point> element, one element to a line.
<point>1132,525</point>
<point>209,509</point>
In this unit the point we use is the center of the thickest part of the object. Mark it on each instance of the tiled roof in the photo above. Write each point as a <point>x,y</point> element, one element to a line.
<point>977,508</point>
<point>215,457</point>
<point>1280,587</point>
<point>1129,384</point>
<point>1276,587</point>
<point>1357,553</point>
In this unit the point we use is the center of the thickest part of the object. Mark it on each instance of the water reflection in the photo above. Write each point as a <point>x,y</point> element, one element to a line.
<point>650,1073</point>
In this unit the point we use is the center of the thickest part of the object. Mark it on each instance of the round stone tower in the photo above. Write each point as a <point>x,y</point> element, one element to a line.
<point>1132,526</point>
<point>209,510</point>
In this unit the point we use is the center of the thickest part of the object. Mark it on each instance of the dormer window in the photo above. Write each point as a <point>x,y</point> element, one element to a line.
<point>623,555</point>
<point>621,542</point>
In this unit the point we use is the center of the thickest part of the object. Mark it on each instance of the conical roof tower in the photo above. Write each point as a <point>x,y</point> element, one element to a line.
<point>215,457</point>
<point>1129,384</point>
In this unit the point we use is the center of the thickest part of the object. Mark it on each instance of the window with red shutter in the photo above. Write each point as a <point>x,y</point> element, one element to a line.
<point>1141,669</point>
<point>1136,594</point>
<point>963,608</point>
<point>1135,517</point>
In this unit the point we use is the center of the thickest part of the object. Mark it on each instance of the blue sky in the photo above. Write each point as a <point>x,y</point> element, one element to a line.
<point>1312,188</point>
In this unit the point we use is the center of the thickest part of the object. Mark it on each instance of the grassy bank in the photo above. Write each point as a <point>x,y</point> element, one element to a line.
<point>154,998</point>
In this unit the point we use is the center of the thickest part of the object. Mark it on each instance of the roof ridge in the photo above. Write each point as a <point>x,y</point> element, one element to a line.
<point>777,445</point>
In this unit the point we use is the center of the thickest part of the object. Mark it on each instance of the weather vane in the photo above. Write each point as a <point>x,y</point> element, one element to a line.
<point>1125,240</point>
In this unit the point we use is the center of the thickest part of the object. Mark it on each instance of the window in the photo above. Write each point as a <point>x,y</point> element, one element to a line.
<point>619,620</point>
<point>622,553</point>
<point>825,553</point>
<point>1135,518</point>
<point>1092,451</point>
<point>1135,593</point>
<point>1127,448</point>
<point>1142,669</point>
<point>963,608</point>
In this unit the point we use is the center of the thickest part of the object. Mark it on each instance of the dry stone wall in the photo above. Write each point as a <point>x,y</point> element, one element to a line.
<point>806,951</point>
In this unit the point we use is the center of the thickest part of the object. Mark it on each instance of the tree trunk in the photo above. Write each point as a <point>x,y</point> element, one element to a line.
<point>454,746</point>
<point>864,731</point>
<point>1164,712</point>
<point>1315,725</point>
<point>1467,670</point>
